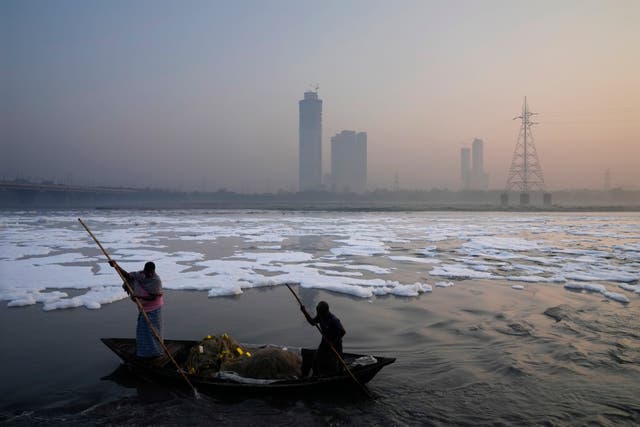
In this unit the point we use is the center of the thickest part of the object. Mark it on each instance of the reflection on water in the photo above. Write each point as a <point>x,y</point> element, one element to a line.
<point>474,356</point>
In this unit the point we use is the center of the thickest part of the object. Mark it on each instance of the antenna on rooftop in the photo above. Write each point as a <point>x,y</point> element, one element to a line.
<point>315,87</point>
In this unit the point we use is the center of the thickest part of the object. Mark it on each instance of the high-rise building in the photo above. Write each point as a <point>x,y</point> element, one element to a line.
<point>310,142</point>
<point>349,162</point>
<point>477,157</point>
<point>478,180</point>
<point>465,167</point>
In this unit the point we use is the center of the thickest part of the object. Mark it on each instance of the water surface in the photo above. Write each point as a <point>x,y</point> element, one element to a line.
<point>478,352</point>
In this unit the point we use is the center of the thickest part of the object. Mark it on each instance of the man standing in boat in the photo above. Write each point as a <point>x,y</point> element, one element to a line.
<point>147,288</point>
<point>325,361</point>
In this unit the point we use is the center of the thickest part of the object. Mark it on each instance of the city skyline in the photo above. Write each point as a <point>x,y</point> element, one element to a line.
<point>202,95</point>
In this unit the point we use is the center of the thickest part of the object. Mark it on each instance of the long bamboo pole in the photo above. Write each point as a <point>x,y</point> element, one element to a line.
<point>141,309</point>
<point>333,348</point>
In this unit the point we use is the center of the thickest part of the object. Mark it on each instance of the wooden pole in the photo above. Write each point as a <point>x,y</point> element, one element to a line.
<point>332,347</point>
<point>141,309</point>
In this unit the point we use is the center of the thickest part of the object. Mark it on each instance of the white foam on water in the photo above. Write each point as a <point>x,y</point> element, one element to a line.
<point>23,274</point>
<point>630,288</point>
<point>233,289</point>
<point>530,268</point>
<point>480,267</point>
<point>470,260</point>
<point>278,257</point>
<point>535,279</point>
<point>32,296</point>
<point>602,274</point>
<point>591,253</point>
<point>231,276</point>
<point>371,268</point>
<point>401,258</point>
<point>360,247</point>
<point>355,290</point>
<point>501,243</point>
<point>263,236</point>
<point>616,297</point>
<point>92,299</point>
<point>65,258</point>
<point>342,273</point>
<point>631,247</point>
<point>494,254</point>
<point>14,252</point>
<point>411,290</point>
<point>491,243</point>
<point>325,265</point>
<point>438,237</point>
<point>357,251</point>
<point>460,272</point>
<point>517,287</point>
<point>444,284</point>
<point>429,251</point>
<point>590,287</point>
<point>540,260</point>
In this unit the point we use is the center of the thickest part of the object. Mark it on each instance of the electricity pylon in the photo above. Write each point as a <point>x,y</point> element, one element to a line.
<point>525,173</point>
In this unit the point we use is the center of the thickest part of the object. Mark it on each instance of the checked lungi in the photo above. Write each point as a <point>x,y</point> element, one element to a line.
<point>146,343</point>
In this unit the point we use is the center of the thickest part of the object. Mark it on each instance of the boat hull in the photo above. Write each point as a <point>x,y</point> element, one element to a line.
<point>167,372</point>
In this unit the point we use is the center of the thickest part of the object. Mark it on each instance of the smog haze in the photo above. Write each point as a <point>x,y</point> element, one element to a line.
<point>203,95</point>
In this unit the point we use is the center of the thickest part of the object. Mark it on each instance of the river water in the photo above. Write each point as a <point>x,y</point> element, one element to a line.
<point>494,318</point>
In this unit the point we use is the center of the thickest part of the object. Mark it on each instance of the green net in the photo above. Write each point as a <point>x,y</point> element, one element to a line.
<point>223,353</point>
<point>206,357</point>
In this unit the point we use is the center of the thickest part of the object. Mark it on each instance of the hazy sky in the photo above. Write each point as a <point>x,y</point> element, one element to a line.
<point>204,94</point>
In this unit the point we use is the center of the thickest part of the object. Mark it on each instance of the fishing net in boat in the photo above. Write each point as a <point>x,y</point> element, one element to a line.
<point>222,353</point>
<point>267,363</point>
<point>206,357</point>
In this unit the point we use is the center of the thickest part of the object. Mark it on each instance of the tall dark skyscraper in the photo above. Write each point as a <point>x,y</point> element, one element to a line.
<point>310,143</point>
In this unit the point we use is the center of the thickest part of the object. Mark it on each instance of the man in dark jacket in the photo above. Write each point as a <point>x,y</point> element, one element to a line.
<point>324,361</point>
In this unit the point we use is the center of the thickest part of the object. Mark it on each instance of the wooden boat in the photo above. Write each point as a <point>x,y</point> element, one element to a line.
<point>166,371</point>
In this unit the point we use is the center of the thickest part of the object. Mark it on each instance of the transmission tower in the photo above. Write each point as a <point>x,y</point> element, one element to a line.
<point>525,173</point>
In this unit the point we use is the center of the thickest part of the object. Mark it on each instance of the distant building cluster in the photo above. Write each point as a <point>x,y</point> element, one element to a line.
<point>472,172</point>
<point>348,153</point>
<point>349,156</point>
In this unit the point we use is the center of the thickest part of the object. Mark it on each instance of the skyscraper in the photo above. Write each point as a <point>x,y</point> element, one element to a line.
<point>477,158</point>
<point>349,161</point>
<point>479,180</point>
<point>310,142</point>
<point>465,167</point>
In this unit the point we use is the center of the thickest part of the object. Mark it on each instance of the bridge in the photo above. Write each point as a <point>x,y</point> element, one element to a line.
<point>23,185</point>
